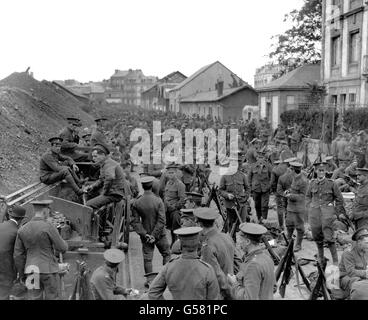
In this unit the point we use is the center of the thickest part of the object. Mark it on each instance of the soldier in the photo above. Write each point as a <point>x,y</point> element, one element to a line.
<point>103,279</point>
<point>251,155</point>
<point>187,178</point>
<point>260,184</point>
<point>331,165</point>
<point>193,200</point>
<point>55,167</point>
<point>174,199</point>
<point>98,135</point>
<point>149,222</point>
<point>354,267</point>
<point>186,276</point>
<point>360,207</point>
<point>324,202</point>
<point>156,185</point>
<point>285,152</point>
<point>133,187</point>
<point>256,278</point>
<point>235,190</point>
<point>295,141</point>
<point>8,234</point>
<point>34,252</point>
<point>87,139</point>
<point>70,140</point>
<point>340,172</point>
<point>296,205</point>
<point>111,179</point>
<point>218,249</point>
<point>279,170</point>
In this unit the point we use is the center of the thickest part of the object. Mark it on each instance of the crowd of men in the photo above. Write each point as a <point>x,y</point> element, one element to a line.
<point>205,254</point>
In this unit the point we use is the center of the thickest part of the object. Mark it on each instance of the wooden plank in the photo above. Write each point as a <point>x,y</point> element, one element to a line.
<point>25,196</point>
<point>22,190</point>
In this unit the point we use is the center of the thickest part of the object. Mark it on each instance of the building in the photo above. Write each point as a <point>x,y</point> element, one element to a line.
<point>265,75</point>
<point>224,104</point>
<point>345,51</point>
<point>289,92</point>
<point>204,80</point>
<point>156,97</point>
<point>126,87</point>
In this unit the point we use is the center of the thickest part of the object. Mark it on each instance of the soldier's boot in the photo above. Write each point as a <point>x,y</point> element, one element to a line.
<point>73,185</point>
<point>290,232</point>
<point>321,257</point>
<point>333,250</point>
<point>299,240</point>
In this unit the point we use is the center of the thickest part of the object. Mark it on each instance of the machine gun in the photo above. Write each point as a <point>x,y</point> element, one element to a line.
<point>214,195</point>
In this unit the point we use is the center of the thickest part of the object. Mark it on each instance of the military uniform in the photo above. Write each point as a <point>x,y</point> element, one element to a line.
<point>186,276</point>
<point>98,137</point>
<point>260,184</point>
<point>69,145</point>
<point>325,203</point>
<point>360,206</point>
<point>35,246</point>
<point>149,219</point>
<point>276,173</point>
<point>154,170</point>
<point>256,278</point>
<point>237,185</point>
<point>112,182</point>
<point>187,178</point>
<point>296,208</point>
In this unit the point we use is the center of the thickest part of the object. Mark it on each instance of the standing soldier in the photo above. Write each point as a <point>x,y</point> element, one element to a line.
<point>98,135</point>
<point>360,207</point>
<point>280,169</point>
<point>8,234</point>
<point>186,276</point>
<point>256,278</point>
<point>70,140</point>
<point>235,190</point>
<point>251,155</point>
<point>260,184</point>
<point>149,222</point>
<point>174,199</point>
<point>218,249</point>
<point>34,252</point>
<point>325,202</point>
<point>296,205</point>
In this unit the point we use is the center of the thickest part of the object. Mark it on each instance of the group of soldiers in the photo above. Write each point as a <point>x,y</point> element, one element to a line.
<point>206,253</point>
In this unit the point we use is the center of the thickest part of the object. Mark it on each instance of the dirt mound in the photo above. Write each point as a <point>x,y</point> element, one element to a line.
<point>30,112</point>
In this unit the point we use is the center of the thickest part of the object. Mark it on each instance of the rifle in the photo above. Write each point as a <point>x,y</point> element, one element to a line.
<point>320,285</point>
<point>215,197</point>
<point>287,270</point>
<point>281,265</point>
<point>276,259</point>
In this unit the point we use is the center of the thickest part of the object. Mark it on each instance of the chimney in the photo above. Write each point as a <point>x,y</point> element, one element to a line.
<point>116,71</point>
<point>220,87</point>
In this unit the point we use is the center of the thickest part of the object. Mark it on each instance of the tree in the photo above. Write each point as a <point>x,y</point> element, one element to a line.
<point>301,44</point>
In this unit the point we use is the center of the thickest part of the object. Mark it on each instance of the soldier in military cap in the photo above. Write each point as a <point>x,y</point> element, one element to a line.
<point>8,234</point>
<point>260,185</point>
<point>133,188</point>
<point>103,279</point>
<point>193,200</point>
<point>354,267</point>
<point>296,205</point>
<point>87,139</point>
<point>70,140</point>
<point>330,164</point>
<point>98,135</point>
<point>218,249</point>
<point>34,252</point>
<point>149,222</point>
<point>324,202</point>
<point>111,179</point>
<point>256,278</point>
<point>186,276</point>
<point>174,199</point>
<point>235,187</point>
<point>187,178</point>
<point>278,170</point>
<point>360,207</point>
<point>55,167</point>
<point>251,155</point>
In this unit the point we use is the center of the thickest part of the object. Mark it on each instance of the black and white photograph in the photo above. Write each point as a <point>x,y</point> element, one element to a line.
<point>155,151</point>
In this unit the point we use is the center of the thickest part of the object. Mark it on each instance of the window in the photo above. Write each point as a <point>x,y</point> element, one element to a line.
<point>334,99</point>
<point>335,59</point>
<point>290,100</point>
<point>352,97</point>
<point>342,99</point>
<point>354,47</point>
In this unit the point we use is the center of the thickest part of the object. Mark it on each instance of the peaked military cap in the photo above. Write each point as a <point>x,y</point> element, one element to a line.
<point>17,212</point>
<point>100,119</point>
<point>44,203</point>
<point>53,139</point>
<point>172,166</point>
<point>252,229</point>
<point>75,121</point>
<point>194,195</point>
<point>363,171</point>
<point>361,232</point>
<point>113,255</point>
<point>188,233</point>
<point>206,214</point>
<point>147,179</point>
<point>102,148</point>
<point>296,164</point>
<point>319,164</point>
<point>290,160</point>
<point>187,211</point>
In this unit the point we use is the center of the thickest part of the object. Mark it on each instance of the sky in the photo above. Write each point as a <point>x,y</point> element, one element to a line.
<point>87,40</point>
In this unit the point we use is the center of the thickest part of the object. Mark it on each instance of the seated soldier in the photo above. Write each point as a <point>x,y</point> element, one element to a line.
<point>111,179</point>
<point>354,267</point>
<point>56,167</point>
